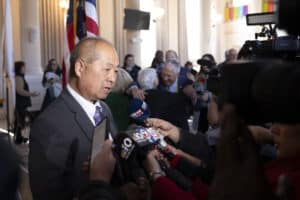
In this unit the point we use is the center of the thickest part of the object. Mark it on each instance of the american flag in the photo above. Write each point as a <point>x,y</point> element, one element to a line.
<point>82,21</point>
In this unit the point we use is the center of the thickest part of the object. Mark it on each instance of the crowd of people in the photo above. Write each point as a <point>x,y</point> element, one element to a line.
<point>220,161</point>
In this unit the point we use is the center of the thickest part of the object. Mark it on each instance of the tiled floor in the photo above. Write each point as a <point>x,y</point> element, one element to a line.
<point>23,151</point>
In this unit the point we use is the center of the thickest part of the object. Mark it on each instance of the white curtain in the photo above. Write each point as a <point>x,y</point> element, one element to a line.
<point>194,30</point>
<point>1,11</point>
<point>120,34</point>
<point>52,23</point>
<point>182,32</point>
<point>171,28</point>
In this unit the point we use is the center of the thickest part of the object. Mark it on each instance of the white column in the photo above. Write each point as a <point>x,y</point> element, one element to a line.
<point>133,38</point>
<point>148,37</point>
<point>31,48</point>
<point>30,36</point>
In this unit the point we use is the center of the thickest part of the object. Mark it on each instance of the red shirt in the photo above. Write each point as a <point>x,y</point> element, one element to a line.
<point>163,188</point>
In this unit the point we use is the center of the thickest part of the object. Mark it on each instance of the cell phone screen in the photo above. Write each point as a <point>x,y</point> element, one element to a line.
<point>98,139</point>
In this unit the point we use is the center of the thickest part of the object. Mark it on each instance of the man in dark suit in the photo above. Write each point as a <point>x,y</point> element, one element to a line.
<point>61,137</point>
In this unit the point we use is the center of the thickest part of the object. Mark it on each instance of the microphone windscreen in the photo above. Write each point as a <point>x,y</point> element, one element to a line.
<point>138,110</point>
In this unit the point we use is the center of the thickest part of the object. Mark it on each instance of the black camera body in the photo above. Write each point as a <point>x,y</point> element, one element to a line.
<point>286,48</point>
<point>262,91</point>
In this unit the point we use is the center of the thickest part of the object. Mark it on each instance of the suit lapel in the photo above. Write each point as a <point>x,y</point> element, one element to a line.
<point>80,116</point>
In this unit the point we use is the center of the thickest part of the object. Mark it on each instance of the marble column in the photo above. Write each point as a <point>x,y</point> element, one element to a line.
<point>133,39</point>
<point>30,36</point>
<point>31,49</point>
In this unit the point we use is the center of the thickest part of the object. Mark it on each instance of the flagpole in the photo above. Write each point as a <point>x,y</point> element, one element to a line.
<point>7,107</point>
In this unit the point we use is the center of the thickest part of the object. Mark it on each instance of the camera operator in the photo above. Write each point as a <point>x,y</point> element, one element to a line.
<point>238,155</point>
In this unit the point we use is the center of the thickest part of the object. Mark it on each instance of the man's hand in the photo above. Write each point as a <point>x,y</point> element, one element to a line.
<point>34,94</point>
<point>103,165</point>
<point>261,135</point>
<point>138,93</point>
<point>165,128</point>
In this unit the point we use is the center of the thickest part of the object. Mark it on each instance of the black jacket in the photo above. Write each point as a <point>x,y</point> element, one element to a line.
<point>172,107</point>
<point>99,190</point>
<point>22,102</point>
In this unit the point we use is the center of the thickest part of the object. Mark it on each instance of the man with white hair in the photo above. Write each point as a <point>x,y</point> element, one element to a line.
<point>147,79</point>
<point>169,77</point>
<point>172,55</point>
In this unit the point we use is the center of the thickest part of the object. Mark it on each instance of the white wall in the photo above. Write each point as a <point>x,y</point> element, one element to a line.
<point>233,34</point>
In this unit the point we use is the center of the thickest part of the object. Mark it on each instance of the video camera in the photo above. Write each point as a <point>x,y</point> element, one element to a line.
<point>286,47</point>
<point>265,89</point>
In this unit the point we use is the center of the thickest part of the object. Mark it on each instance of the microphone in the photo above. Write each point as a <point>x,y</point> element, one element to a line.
<point>126,151</point>
<point>138,110</point>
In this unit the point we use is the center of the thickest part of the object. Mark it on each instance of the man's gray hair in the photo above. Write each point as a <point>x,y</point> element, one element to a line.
<point>175,64</point>
<point>147,78</point>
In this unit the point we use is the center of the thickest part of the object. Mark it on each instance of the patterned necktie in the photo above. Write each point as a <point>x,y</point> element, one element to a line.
<point>97,115</point>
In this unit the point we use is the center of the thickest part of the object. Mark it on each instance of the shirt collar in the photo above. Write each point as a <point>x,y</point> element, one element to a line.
<point>174,87</point>
<point>86,105</point>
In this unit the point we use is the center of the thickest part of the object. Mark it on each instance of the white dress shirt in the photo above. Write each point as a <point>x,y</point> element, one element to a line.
<point>87,106</point>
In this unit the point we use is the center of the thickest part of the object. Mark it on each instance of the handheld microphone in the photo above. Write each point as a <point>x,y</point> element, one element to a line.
<point>123,146</point>
<point>138,111</point>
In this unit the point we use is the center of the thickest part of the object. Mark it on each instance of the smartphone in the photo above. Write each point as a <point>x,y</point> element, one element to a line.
<point>99,136</point>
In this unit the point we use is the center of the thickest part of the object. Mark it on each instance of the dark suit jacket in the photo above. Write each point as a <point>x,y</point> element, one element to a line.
<point>10,170</point>
<point>173,107</point>
<point>60,142</point>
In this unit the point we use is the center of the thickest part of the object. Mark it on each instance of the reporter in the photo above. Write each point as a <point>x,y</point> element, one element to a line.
<point>194,156</point>
<point>195,145</point>
<point>164,188</point>
<point>239,161</point>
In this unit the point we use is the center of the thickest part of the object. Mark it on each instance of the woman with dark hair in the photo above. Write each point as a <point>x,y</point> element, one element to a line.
<point>158,61</point>
<point>207,71</point>
<point>131,67</point>
<point>52,82</point>
<point>23,100</point>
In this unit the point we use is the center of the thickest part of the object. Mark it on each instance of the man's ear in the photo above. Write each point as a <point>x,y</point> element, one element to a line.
<point>79,68</point>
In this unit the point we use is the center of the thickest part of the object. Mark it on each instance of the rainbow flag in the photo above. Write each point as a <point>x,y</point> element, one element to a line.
<point>233,13</point>
<point>268,5</point>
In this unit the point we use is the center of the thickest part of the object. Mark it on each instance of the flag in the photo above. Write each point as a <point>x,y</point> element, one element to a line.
<point>268,6</point>
<point>82,21</point>
<point>8,59</point>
